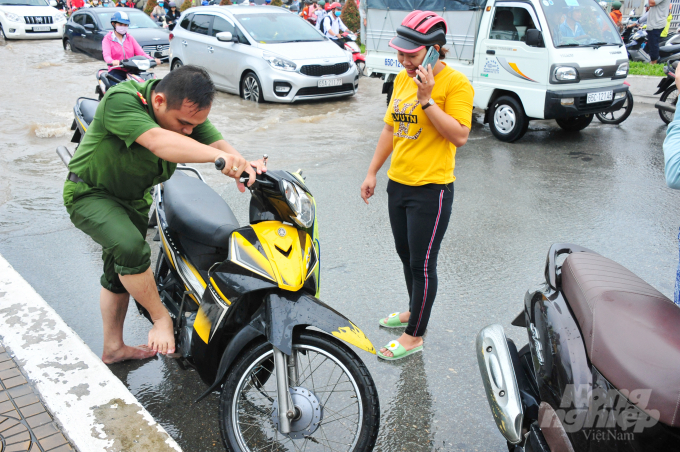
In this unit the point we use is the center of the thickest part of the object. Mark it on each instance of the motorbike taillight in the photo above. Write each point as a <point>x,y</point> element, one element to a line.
<point>171,36</point>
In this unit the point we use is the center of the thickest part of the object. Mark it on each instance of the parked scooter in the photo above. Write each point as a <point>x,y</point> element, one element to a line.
<point>243,300</point>
<point>600,371</point>
<point>137,69</point>
<point>350,40</point>
<point>669,99</point>
<point>635,46</point>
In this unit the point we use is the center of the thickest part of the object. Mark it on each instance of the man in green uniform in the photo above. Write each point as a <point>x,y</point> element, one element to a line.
<point>139,133</point>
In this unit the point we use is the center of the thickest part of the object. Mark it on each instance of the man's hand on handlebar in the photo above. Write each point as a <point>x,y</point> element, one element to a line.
<point>235,166</point>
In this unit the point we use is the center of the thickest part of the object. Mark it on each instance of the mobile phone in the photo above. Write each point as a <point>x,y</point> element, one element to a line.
<point>431,57</point>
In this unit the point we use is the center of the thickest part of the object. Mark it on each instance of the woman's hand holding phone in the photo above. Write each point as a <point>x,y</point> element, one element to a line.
<point>427,85</point>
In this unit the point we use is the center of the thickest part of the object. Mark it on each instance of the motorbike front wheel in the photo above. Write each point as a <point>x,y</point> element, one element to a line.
<point>620,115</point>
<point>335,398</point>
<point>669,96</point>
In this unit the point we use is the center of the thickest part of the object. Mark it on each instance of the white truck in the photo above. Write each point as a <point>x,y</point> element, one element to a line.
<point>526,59</point>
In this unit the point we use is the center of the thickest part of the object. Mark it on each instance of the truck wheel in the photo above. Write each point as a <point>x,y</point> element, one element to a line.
<point>576,123</point>
<point>507,120</point>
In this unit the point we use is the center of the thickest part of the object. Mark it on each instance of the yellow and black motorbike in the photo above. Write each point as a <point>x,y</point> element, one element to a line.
<point>247,317</point>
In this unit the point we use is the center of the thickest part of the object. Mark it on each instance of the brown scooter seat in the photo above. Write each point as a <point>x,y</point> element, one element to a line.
<point>631,330</point>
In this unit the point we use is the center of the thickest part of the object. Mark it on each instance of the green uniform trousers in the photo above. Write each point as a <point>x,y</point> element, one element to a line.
<point>119,226</point>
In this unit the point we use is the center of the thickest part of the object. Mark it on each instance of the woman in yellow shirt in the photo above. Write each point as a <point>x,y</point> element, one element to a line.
<point>425,122</point>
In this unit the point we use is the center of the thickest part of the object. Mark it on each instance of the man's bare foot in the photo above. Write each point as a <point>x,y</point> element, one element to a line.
<point>407,341</point>
<point>126,353</point>
<point>403,317</point>
<point>161,336</point>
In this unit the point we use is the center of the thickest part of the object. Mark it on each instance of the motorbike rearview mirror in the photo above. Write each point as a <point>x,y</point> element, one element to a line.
<point>226,36</point>
<point>89,27</point>
<point>534,38</point>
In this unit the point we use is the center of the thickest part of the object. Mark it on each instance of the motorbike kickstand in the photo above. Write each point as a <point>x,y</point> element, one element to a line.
<point>285,401</point>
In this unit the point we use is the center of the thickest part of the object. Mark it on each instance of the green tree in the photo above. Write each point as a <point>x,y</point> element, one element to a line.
<point>186,5</point>
<point>150,5</point>
<point>277,3</point>
<point>350,15</point>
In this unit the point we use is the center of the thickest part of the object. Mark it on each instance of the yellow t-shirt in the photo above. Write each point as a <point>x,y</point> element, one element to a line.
<point>420,154</point>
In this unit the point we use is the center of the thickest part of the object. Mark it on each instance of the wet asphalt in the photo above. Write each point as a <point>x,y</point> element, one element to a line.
<point>602,188</point>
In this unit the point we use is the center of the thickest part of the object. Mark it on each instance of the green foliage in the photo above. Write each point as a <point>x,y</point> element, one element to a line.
<point>350,15</point>
<point>150,5</point>
<point>640,68</point>
<point>186,5</point>
<point>277,3</point>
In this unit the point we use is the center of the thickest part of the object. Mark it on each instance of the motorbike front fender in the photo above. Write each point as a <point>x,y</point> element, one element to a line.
<point>664,84</point>
<point>284,311</point>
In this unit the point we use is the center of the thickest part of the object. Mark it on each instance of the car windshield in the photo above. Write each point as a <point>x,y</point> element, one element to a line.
<point>24,2</point>
<point>277,28</point>
<point>137,19</point>
<point>575,23</point>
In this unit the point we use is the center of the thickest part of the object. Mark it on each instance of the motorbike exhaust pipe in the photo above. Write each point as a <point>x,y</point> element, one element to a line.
<point>665,106</point>
<point>500,382</point>
<point>64,154</point>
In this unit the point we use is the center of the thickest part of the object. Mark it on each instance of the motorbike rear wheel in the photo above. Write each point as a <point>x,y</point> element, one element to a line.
<point>330,376</point>
<point>669,96</point>
<point>620,115</point>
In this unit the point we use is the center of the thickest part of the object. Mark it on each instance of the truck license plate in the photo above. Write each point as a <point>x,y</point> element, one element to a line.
<point>599,97</point>
<point>41,28</point>
<point>329,82</point>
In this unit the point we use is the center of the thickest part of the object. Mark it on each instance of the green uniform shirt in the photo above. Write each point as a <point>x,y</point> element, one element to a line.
<point>109,159</point>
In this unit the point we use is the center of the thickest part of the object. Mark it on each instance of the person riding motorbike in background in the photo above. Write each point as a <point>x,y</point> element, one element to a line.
<point>616,14</point>
<point>332,25</point>
<point>119,45</point>
<point>158,12</point>
<point>172,15</point>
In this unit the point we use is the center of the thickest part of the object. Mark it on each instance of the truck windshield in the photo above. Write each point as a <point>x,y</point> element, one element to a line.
<point>575,23</point>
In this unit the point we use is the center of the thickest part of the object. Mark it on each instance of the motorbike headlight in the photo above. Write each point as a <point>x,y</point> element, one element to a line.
<point>142,65</point>
<point>279,63</point>
<point>14,17</point>
<point>566,74</point>
<point>301,203</point>
<point>622,69</point>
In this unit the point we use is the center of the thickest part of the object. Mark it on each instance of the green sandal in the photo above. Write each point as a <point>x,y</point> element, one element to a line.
<point>392,321</point>
<point>398,351</point>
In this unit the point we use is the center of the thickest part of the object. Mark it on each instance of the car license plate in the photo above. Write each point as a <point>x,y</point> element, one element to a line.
<point>165,52</point>
<point>329,82</point>
<point>41,28</point>
<point>599,97</point>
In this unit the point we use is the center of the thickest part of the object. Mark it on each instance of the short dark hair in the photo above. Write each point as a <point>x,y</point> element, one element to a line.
<point>190,83</point>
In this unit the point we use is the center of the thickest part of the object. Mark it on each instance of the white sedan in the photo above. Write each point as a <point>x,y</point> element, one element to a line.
<point>262,53</point>
<point>30,19</point>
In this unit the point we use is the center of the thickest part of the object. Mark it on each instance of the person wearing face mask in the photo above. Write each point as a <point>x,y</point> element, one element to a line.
<point>119,45</point>
<point>332,25</point>
<point>158,12</point>
<point>172,16</point>
<point>429,116</point>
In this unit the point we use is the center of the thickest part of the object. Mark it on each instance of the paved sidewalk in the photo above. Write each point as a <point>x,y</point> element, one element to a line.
<point>25,424</point>
<point>643,88</point>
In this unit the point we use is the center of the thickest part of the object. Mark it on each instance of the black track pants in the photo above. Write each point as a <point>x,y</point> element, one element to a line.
<point>419,217</point>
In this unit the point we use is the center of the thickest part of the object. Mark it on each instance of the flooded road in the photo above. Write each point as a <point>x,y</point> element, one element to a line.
<point>602,188</point>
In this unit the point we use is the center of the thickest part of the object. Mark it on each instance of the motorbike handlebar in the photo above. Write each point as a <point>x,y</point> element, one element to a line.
<point>219,165</point>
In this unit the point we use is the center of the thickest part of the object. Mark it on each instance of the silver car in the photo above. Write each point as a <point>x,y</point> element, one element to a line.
<point>262,53</point>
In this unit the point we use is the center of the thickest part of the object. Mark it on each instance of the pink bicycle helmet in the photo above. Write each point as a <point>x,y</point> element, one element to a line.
<point>418,30</point>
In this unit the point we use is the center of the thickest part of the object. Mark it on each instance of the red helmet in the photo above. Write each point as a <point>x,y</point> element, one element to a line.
<point>335,5</point>
<point>418,30</point>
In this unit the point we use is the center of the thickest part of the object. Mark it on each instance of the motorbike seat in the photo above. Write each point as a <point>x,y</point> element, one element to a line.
<point>630,330</point>
<point>88,107</point>
<point>669,49</point>
<point>194,209</point>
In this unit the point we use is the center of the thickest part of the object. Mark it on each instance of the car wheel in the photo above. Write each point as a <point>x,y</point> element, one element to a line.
<point>176,64</point>
<point>507,120</point>
<point>67,45</point>
<point>251,89</point>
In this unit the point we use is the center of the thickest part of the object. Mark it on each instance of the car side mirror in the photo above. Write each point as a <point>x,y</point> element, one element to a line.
<point>226,36</point>
<point>534,38</point>
<point>89,27</point>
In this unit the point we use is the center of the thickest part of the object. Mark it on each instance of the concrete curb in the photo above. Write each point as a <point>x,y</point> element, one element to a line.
<point>94,408</point>
<point>643,88</point>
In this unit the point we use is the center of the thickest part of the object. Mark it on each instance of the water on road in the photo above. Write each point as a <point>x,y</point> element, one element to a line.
<point>602,188</point>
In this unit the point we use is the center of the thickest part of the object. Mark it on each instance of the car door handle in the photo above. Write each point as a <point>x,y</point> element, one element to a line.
<point>184,43</point>
<point>210,49</point>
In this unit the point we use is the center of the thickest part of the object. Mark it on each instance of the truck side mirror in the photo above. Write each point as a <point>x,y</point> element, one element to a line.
<point>534,38</point>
